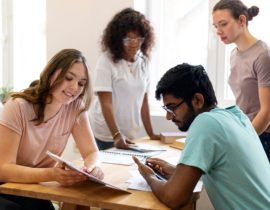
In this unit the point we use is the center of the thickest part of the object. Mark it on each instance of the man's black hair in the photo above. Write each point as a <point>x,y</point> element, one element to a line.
<point>183,81</point>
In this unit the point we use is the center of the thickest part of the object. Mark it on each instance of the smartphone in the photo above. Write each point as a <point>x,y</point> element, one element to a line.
<point>157,173</point>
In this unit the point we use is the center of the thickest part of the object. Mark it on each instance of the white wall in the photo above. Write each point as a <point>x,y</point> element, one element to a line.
<point>79,24</point>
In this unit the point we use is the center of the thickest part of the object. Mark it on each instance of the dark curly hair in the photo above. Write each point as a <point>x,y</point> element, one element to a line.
<point>126,20</point>
<point>237,8</point>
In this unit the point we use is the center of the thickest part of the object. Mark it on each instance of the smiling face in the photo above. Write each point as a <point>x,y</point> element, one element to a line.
<point>182,116</point>
<point>132,42</point>
<point>227,28</point>
<point>71,86</point>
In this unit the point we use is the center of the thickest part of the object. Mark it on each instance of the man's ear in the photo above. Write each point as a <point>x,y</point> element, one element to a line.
<point>198,101</point>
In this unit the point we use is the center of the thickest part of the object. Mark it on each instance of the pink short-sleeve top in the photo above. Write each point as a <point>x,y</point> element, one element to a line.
<point>35,140</point>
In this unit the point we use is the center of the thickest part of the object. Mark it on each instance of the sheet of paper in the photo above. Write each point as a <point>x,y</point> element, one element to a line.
<point>137,182</point>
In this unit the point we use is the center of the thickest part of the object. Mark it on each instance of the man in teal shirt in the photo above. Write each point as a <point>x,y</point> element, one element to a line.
<point>221,147</point>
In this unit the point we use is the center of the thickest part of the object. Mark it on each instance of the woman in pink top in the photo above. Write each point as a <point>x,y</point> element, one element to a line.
<point>250,64</point>
<point>41,118</point>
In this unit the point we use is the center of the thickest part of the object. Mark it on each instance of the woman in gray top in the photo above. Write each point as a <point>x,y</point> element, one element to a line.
<point>250,64</point>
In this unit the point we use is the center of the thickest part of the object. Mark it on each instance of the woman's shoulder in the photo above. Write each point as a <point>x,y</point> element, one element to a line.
<point>263,43</point>
<point>262,46</point>
<point>105,56</point>
<point>104,60</point>
<point>17,107</point>
<point>263,52</point>
<point>20,102</point>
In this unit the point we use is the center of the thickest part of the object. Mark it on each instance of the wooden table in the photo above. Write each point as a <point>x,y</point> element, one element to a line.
<point>93,194</point>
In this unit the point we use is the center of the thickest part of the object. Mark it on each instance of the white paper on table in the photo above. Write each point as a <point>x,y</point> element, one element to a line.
<point>137,182</point>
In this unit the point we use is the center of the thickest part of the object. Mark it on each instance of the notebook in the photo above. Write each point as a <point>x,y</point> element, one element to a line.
<point>124,157</point>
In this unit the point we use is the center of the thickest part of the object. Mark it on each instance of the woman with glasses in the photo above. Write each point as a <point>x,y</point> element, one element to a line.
<point>250,64</point>
<point>121,81</point>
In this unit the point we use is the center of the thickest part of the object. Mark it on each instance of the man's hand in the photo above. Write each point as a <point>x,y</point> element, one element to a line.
<point>163,167</point>
<point>144,170</point>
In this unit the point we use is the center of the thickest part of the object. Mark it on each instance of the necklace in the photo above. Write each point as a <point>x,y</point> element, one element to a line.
<point>130,67</point>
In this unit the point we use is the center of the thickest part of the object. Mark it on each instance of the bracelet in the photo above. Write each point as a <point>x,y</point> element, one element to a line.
<point>115,134</point>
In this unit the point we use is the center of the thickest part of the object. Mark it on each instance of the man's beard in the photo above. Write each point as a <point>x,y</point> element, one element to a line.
<point>187,120</point>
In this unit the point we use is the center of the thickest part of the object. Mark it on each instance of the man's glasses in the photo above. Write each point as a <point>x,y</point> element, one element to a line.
<point>127,41</point>
<point>171,109</point>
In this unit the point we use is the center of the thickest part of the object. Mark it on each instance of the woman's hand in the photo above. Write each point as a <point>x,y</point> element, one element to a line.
<point>155,137</point>
<point>122,143</point>
<point>66,176</point>
<point>96,172</point>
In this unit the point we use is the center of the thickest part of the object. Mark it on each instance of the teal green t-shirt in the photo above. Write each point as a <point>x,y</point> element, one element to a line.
<point>225,146</point>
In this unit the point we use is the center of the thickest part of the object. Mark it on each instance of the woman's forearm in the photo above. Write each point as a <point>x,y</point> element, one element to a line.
<point>92,159</point>
<point>23,174</point>
<point>261,122</point>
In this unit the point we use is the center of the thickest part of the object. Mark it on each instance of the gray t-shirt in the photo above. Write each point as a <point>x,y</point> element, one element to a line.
<point>249,71</point>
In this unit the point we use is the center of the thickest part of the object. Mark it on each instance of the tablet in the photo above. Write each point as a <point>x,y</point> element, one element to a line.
<point>72,166</point>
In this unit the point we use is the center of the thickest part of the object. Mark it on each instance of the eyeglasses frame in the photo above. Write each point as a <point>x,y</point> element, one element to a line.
<point>127,40</point>
<point>172,109</point>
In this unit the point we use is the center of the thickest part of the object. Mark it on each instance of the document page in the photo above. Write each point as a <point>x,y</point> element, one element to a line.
<point>137,182</point>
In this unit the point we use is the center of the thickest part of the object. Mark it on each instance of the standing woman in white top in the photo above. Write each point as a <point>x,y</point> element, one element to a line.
<point>250,64</point>
<point>121,81</point>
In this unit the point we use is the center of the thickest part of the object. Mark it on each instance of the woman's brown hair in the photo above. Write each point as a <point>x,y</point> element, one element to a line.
<point>39,91</point>
<point>237,8</point>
